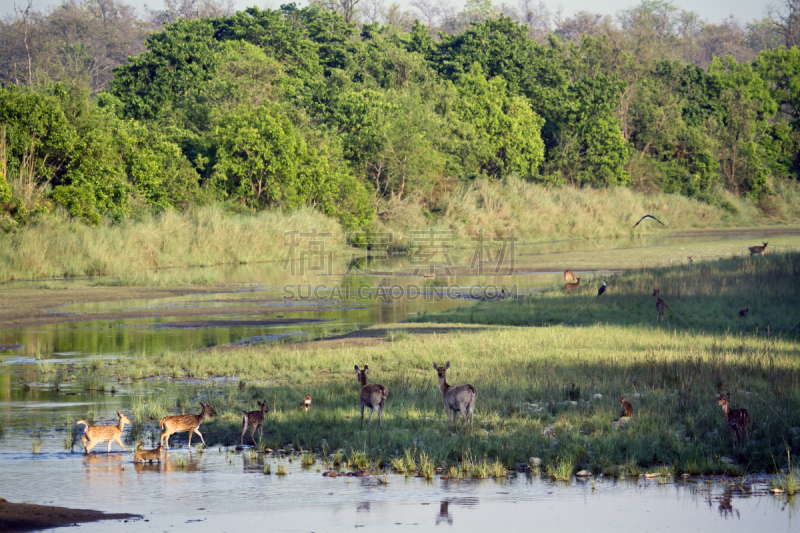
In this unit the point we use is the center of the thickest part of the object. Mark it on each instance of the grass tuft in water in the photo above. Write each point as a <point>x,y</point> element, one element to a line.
<point>267,468</point>
<point>562,470</point>
<point>281,469</point>
<point>180,463</point>
<point>307,459</point>
<point>426,466</point>
<point>36,444</point>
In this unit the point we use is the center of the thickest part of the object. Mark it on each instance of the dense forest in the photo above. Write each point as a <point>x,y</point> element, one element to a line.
<point>353,106</point>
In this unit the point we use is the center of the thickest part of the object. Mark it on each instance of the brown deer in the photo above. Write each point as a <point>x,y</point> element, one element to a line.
<point>757,250</point>
<point>569,276</point>
<point>569,286</point>
<point>660,305</point>
<point>98,434</point>
<point>148,455</point>
<point>743,312</point>
<point>181,423</point>
<point>456,399</point>
<point>627,408</point>
<point>738,419</point>
<point>306,403</point>
<point>373,395</point>
<point>691,261</point>
<point>254,419</point>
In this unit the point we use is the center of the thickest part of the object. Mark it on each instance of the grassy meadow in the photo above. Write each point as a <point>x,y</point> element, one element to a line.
<point>149,250</point>
<point>548,385</point>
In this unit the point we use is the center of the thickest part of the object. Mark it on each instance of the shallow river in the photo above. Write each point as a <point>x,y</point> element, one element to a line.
<point>224,490</point>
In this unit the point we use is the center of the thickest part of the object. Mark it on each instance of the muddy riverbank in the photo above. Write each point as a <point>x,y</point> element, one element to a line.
<point>29,517</point>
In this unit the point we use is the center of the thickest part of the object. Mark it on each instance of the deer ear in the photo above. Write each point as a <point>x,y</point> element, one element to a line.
<point>356,367</point>
<point>366,367</point>
<point>435,366</point>
<point>447,365</point>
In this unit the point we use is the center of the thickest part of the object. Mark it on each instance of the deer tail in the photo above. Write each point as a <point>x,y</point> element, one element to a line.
<point>84,422</point>
<point>139,446</point>
<point>161,423</point>
<point>385,392</point>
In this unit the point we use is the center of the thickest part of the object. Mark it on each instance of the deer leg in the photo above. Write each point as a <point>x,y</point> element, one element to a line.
<point>197,430</point>
<point>244,430</point>
<point>120,443</point>
<point>190,440</point>
<point>165,437</point>
<point>90,446</point>
<point>109,445</point>
<point>370,415</point>
<point>362,415</point>
<point>253,434</point>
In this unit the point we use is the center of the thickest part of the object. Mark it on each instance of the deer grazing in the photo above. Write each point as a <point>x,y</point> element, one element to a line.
<point>372,395</point>
<point>627,408</point>
<point>569,286</point>
<point>738,419</point>
<point>306,403</point>
<point>96,434</point>
<point>181,423</point>
<point>569,276</point>
<point>456,399</point>
<point>660,305</point>
<point>757,250</point>
<point>254,419</point>
<point>148,455</point>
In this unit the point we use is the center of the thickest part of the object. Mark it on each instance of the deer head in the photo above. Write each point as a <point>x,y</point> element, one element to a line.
<point>123,419</point>
<point>361,375</point>
<point>262,406</point>
<point>207,409</point>
<point>656,292</point>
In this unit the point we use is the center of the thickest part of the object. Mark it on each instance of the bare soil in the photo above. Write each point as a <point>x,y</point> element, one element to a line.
<point>29,517</point>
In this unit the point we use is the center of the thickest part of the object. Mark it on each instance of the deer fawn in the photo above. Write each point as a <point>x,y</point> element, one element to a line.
<point>306,403</point>
<point>373,395</point>
<point>738,419</point>
<point>456,399</point>
<point>148,455</point>
<point>98,434</point>
<point>569,286</point>
<point>660,305</point>
<point>627,408</point>
<point>181,423</point>
<point>254,419</point>
<point>757,250</point>
<point>569,276</point>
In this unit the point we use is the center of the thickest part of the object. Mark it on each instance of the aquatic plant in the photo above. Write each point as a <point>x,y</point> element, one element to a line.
<point>36,444</point>
<point>180,463</point>
<point>281,469</point>
<point>267,468</point>
<point>561,470</point>
<point>357,459</point>
<point>427,468</point>
<point>307,459</point>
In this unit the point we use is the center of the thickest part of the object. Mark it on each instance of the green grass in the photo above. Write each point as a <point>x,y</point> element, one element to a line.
<point>561,469</point>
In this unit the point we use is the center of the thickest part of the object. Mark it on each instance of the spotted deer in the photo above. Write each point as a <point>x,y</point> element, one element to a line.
<point>306,403</point>
<point>738,419</point>
<point>660,305</point>
<point>757,250</point>
<point>254,419</point>
<point>148,455</point>
<point>569,276</point>
<point>372,395</point>
<point>627,408</point>
<point>460,398</point>
<point>181,423</point>
<point>96,434</point>
<point>569,286</point>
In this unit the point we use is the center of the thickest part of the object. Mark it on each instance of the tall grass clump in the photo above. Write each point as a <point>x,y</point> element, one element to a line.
<point>58,245</point>
<point>561,470</point>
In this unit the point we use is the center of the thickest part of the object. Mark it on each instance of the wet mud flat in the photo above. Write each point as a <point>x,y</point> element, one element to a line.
<point>30,517</point>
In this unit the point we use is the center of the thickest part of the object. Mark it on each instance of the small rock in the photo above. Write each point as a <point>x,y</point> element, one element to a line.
<point>685,475</point>
<point>583,473</point>
<point>535,461</point>
<point>598,396</point>
<point>549,432</point>
<point>651,475</point>
<point>777,491</point>
<point>573,403</point>
<point>727,460</point>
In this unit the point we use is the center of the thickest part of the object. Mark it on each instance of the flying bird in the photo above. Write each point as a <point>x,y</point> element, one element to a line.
<point>602,288</point>
<point>649,216</point>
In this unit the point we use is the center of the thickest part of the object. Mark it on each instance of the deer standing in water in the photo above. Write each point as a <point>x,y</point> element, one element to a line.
<point>181,423</point>
<point>148,455</point>
<point>98,434</point>
<point>660,305</point>
<point>254,419</point>
<point>738,419</point>
<point>757,250</point>
<point>569,286</point>
<point>373,395</point>
<point>569,276</point>
<point>456,399</point>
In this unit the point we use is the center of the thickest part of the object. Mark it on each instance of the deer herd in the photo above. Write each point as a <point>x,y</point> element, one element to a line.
<point>456,399</point>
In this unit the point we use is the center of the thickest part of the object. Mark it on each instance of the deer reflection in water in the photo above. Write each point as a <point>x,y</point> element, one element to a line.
<point>725,507</point>
<point>444,513</point>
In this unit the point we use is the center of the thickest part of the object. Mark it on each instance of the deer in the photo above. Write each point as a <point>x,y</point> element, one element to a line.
<point>691,261</point>
<point>627,408</point>
<point>569,286</point>
<point>660,305</point>
<point>456,399</point>
<point>98,434</point>
<point>181,423</point>
<point>306,403</point>
<point>148,455</point>
<point>569,276</point>
<point>738,419</point>
<point>743,312</point>
<point>757,250</point>
<point>254,419</point>
<point>372,395</point>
